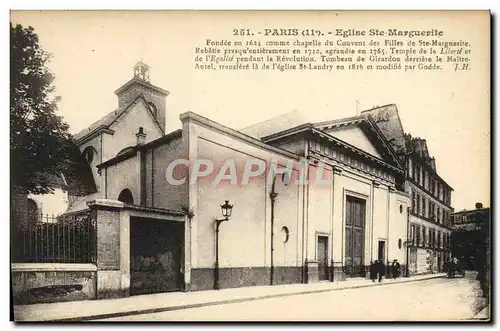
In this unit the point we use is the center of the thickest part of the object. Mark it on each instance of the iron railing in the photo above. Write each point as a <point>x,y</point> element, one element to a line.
<point>53,239</point>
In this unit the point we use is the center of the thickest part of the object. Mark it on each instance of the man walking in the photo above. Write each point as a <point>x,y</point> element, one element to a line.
<point>381,270</point>
<point>395,269</point>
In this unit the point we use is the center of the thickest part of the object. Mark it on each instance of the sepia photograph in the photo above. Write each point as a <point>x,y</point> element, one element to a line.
<point>250,166</point>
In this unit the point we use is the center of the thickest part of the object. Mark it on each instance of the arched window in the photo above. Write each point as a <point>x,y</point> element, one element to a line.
<point>153,109</point>
<point>89,154</point>
<point>286,234</point>
<point>32,210</point>
<point>126,196</point>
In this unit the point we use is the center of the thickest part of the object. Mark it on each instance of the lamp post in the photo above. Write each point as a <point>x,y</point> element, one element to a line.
<point>226,213</point>
<point>273,195</point>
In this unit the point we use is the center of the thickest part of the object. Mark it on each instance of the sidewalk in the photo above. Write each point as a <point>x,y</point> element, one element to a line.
<point>155,303</point>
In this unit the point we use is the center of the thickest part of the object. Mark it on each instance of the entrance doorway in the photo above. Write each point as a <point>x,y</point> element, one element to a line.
<point>355,236</point>
<point>156,253</point>
<point>381,251</point>
<point>323,257</point>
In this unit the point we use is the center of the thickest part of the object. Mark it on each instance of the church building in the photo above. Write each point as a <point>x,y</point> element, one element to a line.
<point>311,202</point>
<point>279,231</point>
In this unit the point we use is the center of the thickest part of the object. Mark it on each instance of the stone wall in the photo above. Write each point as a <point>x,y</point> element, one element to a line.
<point>45,282</point>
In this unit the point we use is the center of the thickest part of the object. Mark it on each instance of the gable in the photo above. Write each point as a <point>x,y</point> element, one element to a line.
<point>106,122</point>
<point>125,128</point>
<point>356,137</point>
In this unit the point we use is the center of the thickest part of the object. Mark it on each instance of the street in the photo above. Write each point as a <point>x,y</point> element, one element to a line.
<point>429,300</point>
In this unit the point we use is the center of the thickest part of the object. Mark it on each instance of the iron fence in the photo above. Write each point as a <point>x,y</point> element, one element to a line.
<point>53,239</point>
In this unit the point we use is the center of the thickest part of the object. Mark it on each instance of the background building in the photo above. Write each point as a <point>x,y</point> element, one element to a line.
<point>471,242</point>
<point>428,241</point>
<point>470,238</point>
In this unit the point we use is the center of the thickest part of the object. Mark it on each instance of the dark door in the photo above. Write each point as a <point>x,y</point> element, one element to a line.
<point>355,236</point>
<point>156,250</point>
<point>323,257</point>
<point>381,251</point>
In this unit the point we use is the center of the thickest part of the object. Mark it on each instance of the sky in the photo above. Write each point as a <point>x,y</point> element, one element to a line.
<point>94,53</point>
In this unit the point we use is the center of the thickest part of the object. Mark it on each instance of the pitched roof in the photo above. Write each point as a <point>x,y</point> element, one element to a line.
<point>103,122</point>
<point>275,124</point>
<point>106,121</point>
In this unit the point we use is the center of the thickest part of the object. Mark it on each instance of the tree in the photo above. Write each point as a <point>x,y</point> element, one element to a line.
<point>39,139</point>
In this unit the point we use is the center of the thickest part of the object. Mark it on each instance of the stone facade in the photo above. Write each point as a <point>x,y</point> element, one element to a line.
<point>39,283</point>
<point>257,248</point>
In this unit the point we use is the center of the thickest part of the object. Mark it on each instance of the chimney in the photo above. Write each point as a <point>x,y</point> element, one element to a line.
<point>141,137</point>
<point>479,205</point>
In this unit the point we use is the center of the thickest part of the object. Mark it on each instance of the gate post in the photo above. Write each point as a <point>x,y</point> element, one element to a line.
<point>107,217</point>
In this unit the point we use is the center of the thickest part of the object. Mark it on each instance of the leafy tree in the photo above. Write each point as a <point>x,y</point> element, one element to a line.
<point>39,139</point>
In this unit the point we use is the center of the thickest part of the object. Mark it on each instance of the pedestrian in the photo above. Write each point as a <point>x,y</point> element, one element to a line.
<point>373,270</point>
<point>381,270</point>
<point>395,269</point>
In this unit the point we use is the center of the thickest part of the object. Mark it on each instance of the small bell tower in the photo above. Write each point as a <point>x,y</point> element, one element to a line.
<point>141,71</point>
<point>140,85</point>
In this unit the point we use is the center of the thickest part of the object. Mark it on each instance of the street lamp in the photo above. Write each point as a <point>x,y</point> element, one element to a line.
<point>227,209</point>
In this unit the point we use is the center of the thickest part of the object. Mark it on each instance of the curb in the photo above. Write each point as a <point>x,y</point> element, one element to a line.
<point>215,303</point>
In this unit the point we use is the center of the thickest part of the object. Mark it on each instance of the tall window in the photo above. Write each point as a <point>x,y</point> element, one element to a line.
<point>438,215</point>
<point>423,178</point>
<point>424,236</point>
<point>413,202</point>
<point>424,202</point>
<point>412,234</point>
<point>439,239</point>
<point>418,235</point>
<point>418,204</point>
<point>417,168</point>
